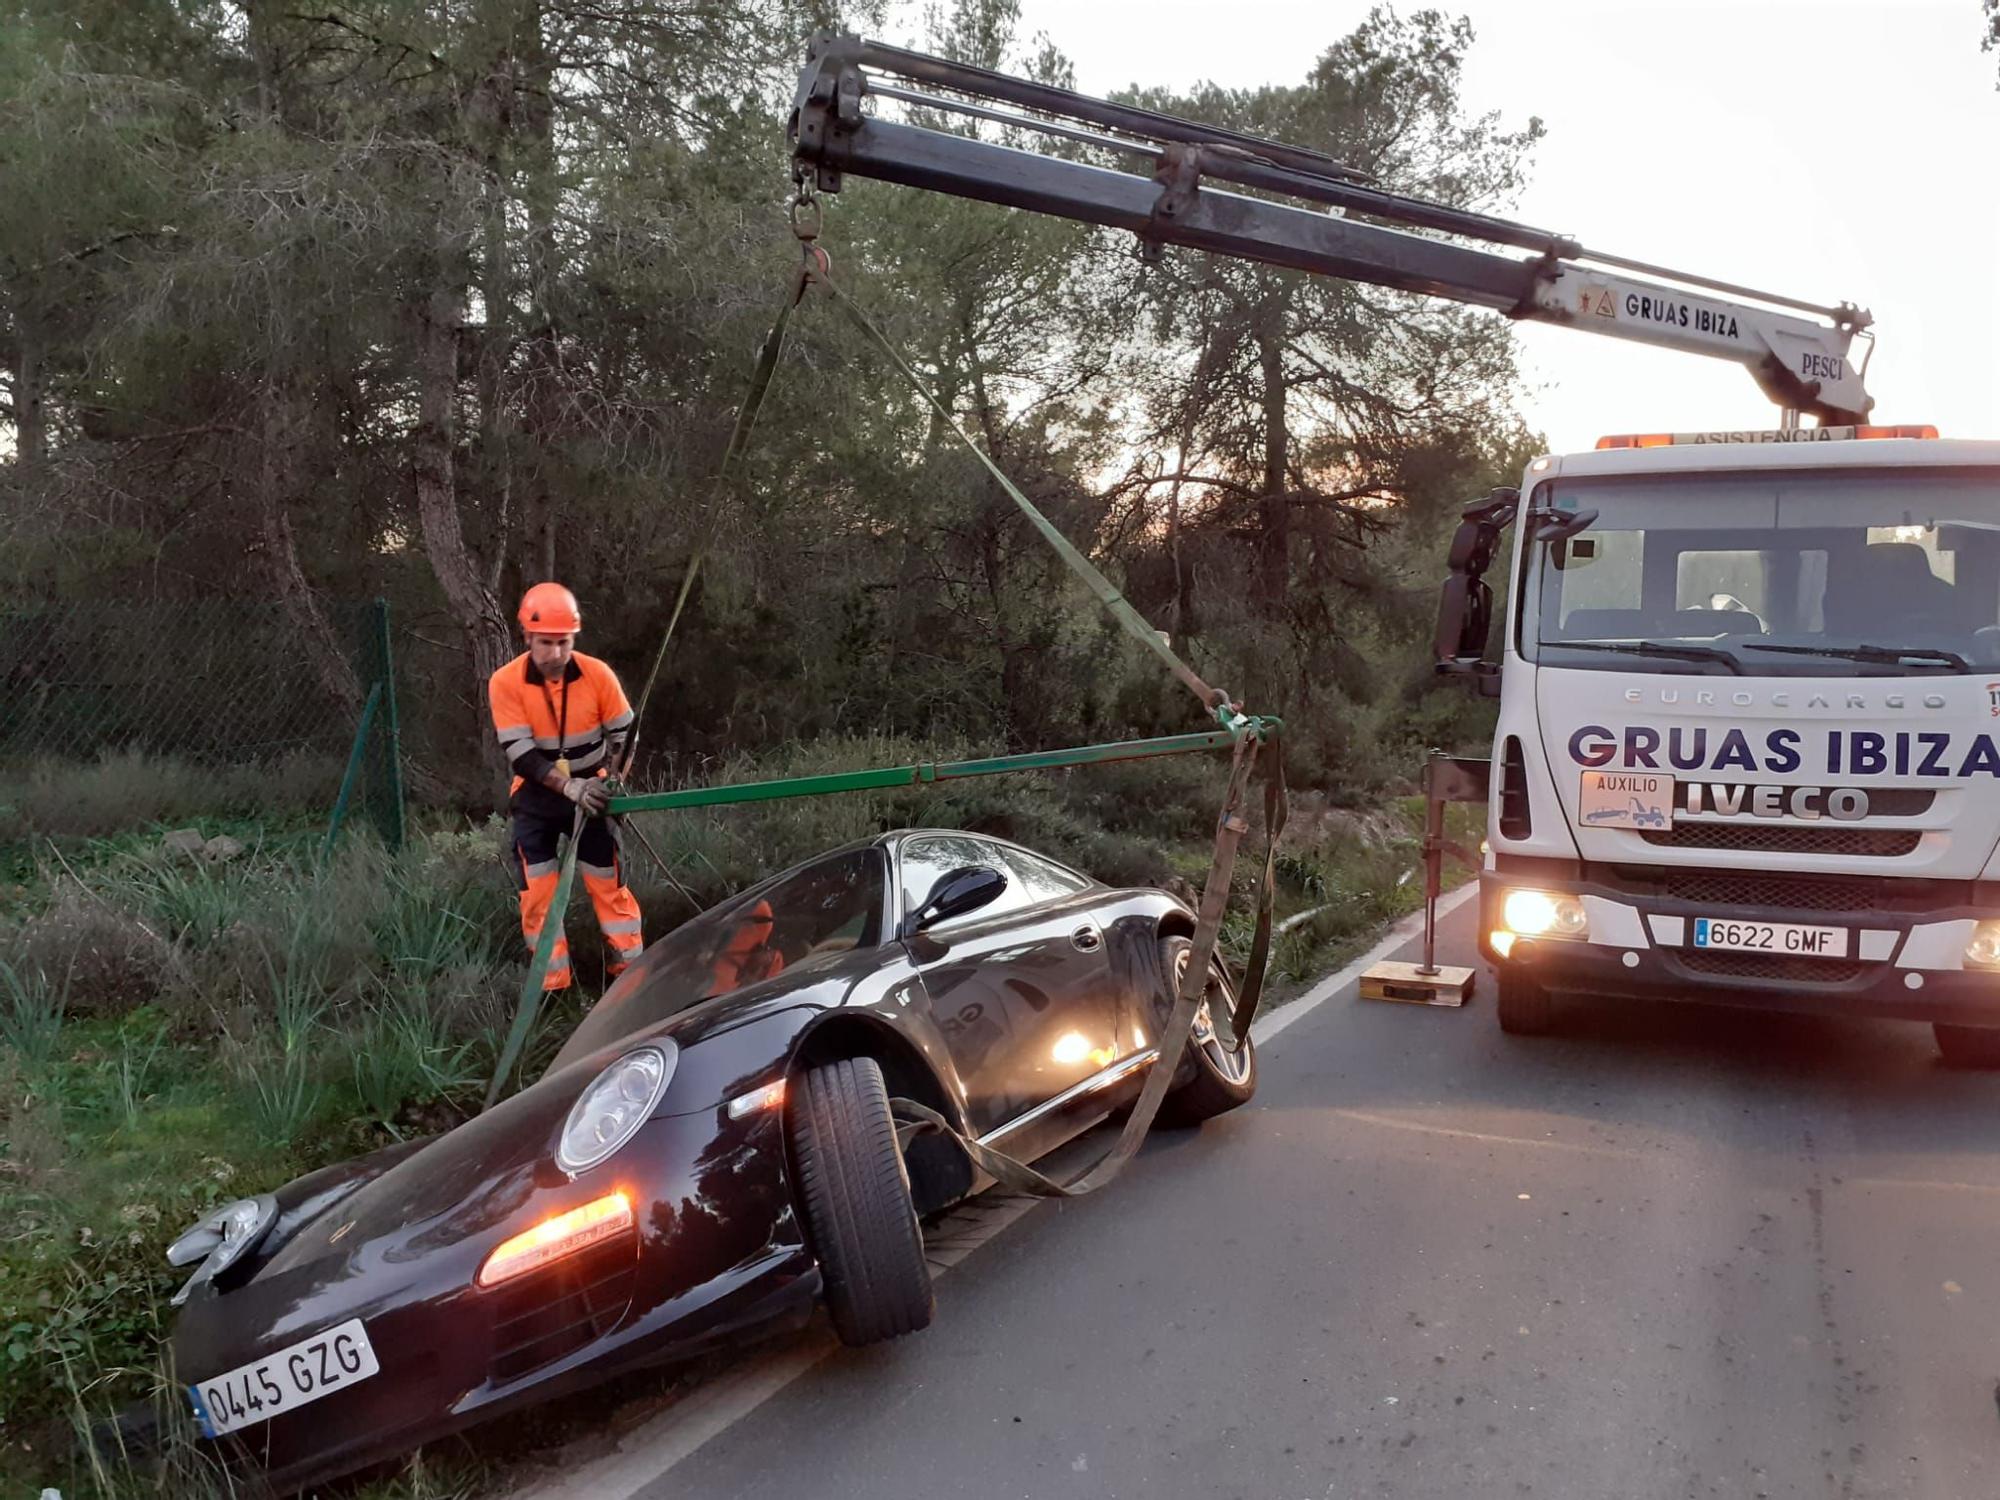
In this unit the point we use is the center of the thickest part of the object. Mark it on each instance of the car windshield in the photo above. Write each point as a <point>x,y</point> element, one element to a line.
<point>796,920</point>
<point>1797,574</point>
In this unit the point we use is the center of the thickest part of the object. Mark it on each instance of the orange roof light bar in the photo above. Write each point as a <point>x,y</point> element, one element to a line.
<point>557,1236</point>
<point>1765,435</point>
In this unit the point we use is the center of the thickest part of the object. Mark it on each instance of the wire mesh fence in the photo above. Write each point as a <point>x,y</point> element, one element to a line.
<point>214,685</point>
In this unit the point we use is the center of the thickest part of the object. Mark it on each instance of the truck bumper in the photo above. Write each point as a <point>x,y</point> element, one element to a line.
<point>1904,951</point>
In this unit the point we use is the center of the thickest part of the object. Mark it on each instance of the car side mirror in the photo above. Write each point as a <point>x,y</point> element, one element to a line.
<point>956,893</point>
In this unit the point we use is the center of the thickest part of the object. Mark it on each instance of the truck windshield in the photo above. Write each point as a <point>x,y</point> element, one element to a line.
<point>1802,574</point>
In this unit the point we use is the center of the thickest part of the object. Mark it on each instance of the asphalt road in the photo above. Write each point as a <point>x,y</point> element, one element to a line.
<point>1666,1251</point>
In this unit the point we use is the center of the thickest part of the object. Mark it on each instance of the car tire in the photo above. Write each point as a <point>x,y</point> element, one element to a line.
<point>854,1192</point>
<point>1525,1008</point>
<point>1968,1046</point>
<point>1219,1078</point>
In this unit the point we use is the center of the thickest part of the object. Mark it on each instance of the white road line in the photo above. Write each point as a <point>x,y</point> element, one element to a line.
<point>643,1455</point>
<point>1408,928</point>
<point>1487,1138</point>
<point>656,1445</point>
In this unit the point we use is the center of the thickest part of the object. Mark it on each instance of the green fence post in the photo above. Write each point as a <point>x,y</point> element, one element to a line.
<point>353,771</point>
<point>395,827</point>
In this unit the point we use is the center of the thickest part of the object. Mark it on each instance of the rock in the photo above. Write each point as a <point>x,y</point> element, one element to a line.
<point>184,841</point>
<point>221,849</point>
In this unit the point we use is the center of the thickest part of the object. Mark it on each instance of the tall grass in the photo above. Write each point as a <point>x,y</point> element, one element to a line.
<point>31,1017</point>
<point>404,1050</point>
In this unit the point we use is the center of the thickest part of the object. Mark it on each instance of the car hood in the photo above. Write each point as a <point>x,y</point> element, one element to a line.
<point>453,1189</point>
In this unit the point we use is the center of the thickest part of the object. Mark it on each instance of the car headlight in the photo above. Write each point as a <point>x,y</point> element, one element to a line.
<point>618,1101</point>
<point>1983,952</point>
<point>1544,914</point>
<point>221,1240</point>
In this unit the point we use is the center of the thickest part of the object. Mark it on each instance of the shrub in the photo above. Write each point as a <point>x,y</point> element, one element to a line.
<point>130,789</point>
<point>108,961</point>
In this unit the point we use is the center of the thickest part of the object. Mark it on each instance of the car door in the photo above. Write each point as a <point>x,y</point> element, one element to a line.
<point>1020,989</point>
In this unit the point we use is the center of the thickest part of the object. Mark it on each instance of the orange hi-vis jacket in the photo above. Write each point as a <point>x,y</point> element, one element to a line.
<point>539,722</point>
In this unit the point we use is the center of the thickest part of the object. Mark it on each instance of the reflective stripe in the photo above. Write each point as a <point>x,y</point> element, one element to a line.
<point>596,872</point>
<point>587,759</point>
<point>621,721</point>
<point>616,929</point>
<point>545,867</point>
<point>508,732</point>
<point>518,748</point>
<point>583,740</point>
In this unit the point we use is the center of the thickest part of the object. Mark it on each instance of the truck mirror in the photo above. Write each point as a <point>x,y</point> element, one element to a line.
<point>1465,604</point>
<point>1465,615</point>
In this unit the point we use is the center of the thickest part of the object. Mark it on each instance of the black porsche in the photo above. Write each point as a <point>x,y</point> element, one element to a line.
<point>710,1152</point>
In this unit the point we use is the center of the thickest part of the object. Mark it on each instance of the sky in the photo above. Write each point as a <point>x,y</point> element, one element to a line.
<point>1831,152</point>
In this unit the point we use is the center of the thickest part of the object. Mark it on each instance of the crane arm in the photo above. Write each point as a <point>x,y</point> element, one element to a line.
<point>1798,352</point>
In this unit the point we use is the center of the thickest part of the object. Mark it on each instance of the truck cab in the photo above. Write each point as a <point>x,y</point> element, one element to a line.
<point>1748,743</point>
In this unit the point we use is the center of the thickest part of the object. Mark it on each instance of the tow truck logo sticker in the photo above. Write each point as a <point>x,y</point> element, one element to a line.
<point>1615,799</point>
<point>1838,752</point>
<point>1993,699</point>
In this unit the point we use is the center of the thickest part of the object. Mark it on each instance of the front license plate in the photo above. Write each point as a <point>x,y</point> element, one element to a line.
<point>1771,937</point>
<point>283,1381</point>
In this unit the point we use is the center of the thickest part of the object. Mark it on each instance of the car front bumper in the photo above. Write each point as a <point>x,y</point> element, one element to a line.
<point>716,1256</point>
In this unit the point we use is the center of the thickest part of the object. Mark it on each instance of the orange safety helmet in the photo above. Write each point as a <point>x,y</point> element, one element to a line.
<point>549,609</point>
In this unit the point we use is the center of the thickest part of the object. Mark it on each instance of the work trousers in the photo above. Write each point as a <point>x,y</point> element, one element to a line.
<point>599,862</point>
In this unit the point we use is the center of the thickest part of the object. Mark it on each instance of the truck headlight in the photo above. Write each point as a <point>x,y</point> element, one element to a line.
<point>619,1100</point>
<point>1983,952</point>
<point>1543,914</point>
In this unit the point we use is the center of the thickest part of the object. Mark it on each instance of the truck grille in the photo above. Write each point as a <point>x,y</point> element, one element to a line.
<point>1788,967</point>
<point>554,1312</point>
<point>1877,843</point>
<point>1791,892</point>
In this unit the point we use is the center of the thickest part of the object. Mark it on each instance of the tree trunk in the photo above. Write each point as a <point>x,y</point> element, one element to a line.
<point>1274,513</point>
<point>472,603</point>
<point>282,437</point>
<point>30,427</point>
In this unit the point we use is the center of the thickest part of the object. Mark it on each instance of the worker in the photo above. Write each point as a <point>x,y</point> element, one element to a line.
<point>562,720</point>
<point>749,954</point>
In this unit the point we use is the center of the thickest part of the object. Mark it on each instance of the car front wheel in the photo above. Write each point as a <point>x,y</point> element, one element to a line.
<point>855,1194</point>
<point>1220,1069</point>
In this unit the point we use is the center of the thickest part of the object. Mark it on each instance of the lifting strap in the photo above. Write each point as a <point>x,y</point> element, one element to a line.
<point>1251,751</point>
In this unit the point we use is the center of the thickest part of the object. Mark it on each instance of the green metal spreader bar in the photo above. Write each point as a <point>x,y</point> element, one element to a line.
<point>950,770</point>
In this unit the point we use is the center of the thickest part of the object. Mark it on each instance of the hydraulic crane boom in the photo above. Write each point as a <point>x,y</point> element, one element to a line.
<point>1801,362</point>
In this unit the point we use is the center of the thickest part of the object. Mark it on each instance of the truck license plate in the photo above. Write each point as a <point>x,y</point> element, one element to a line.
<point>285,1379</point>
<point>1771,937</point>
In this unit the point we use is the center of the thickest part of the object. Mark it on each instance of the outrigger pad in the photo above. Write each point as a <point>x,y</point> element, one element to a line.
<point>1407,982</point>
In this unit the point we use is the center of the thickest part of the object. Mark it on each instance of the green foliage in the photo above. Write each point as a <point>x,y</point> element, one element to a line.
<point>31,1016</point>
<point>132,789</point>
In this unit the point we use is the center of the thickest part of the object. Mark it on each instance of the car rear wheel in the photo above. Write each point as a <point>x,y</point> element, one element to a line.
<point>1221,1069</point>
<point>1524,1006</point>
<point>1968,1046</point>
<point>855,1194</point>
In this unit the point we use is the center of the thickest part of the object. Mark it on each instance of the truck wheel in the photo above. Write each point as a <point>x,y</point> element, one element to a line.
<point>855,1196</point>
<point>1221,1075</point>
<point>1968,1046</point>
<point>1524,1005</point>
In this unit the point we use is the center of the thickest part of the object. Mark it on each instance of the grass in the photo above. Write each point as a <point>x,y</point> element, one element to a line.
<point>174,1034</point>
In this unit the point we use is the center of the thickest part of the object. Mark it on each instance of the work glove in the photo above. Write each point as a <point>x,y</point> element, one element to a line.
<point>588,793</point>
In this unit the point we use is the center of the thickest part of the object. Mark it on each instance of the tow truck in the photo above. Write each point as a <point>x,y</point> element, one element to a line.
<point>1747,748</point>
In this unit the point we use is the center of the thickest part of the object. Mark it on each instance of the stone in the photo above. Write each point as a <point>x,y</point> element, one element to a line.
<point>184,841</point>
<point>221,849</point>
